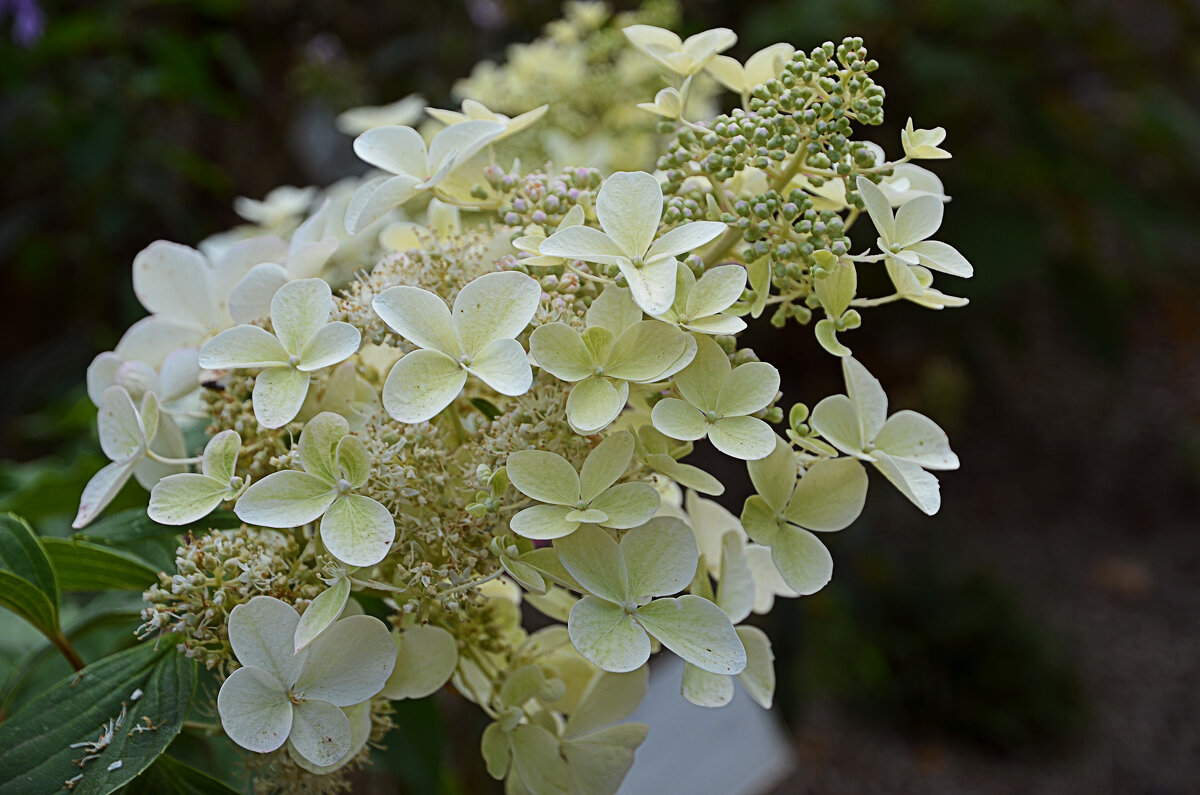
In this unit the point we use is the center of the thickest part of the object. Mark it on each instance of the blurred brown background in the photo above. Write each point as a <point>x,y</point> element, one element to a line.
<point>1041,633</point>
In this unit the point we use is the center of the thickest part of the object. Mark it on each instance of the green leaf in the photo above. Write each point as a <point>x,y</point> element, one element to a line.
<point>129,527</point>
<point>28,585</point>
<point>36,755</point>
<point>83,566</point>
<point>169,776</point>
<point>486,407</point>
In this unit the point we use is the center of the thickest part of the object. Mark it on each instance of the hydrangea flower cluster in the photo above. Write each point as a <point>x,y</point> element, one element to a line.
<point>459,384</point>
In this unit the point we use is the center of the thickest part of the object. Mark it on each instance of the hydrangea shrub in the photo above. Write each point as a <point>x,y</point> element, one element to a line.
<point>469,382</point>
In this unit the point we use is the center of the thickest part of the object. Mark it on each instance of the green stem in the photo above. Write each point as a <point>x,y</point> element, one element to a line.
<point>63,645</point>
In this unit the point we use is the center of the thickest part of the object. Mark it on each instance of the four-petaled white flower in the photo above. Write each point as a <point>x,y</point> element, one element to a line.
<point>902,238</point>
<point>686,57</point>
<point>764,65</point>
<point>186,295</point>
<point>473,110</point>
<point>902,446</point>
<point>700,304</point>
<point>923,144</point>
<point>354,528</point>
<point>401,152</point>
<point>478,338</point>
<point>125,437</point>
<point>617,349</point>
<point>828,498</point>
<point>718,399</point>
<point>304,341</point>
<point>611,626</point>
<point>629,207</point>
<point>190,496</point>
<point>279,695</point>
<point>573,498</point>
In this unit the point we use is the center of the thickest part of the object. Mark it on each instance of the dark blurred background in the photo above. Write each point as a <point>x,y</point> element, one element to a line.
<point>1039,634</point>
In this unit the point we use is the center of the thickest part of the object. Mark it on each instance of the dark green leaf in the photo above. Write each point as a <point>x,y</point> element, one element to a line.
<point>488,408</point>
<point>82,566</point>
<point>134,525</point>
<point>35,752</point>
<point>169,776</point>
<point>28,586</point>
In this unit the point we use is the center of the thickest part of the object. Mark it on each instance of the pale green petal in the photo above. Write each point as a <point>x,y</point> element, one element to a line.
<point>318,445</point>
<point>525,575</point>
<point>582,243</point>
<point>700,382</point>
<point>121,432</point>
<point>559,350</point>
<point>759,519</point>
<point>711,523</point>
<point>717,325</point>
<point>629,206</point>
<point>101,490</point>
<point>421,384</point>
<point>749,388</point>
<point>605,464</point>
<point>536,759</point>
<point>599,342</point>
<point>837,287</point>
<point>255,711</point>
<point>503,366</point>
<point>242,346</point>
<point>349,662</point>
<point>660,556</point>
<point>298,310</point>
<point>802,559</point>
<point>705,689</point>
<point>774,477</point>
<point>914,482</point>
<point>608,636</point>
<point>685,238</point>
<point>544,522</point>
<point>359,716</point>
<point>320,732</point>
<point>878,207</point>
<point>729,73</point>
<point>759,676</point>
<point>593,558</point>
<point>461,141</point>
<point>608,698</point>
<point>332,343</point>
<point>746,438</point>
<point>261,633</point>
<point>870,402</point>
<point>685,475</point>
<point>251,297</point>
<point>717,290</point>
<point>220,456</point>
<point>358,530</point>
<point>185,498</point>
<point>627,505</point>
<point>644,351</point>
<point>395,149</point>
<point>279,393</point>
<point>614,309</point>
<point>697,630</point>
<point>425,660</point>
<point>353,461</point>
<point>826,334</point>
<point>594,403</point>
<point>835,419</point>
<point>544,476</point>
<point>285,499</point>
<point>494,306</point>
<point>376,198</point>
<point>494,748</point>
<point>173,280</point>
<point>322,611</point>
<point>768,581</point>
<point>942,257</point>
<point>903,277</point>
<point>679,419</point>
<point>735,583</point>
<point>420,317</point>
<point>599,761</point>
<point>830,496</point>
<point>917,220</point>
<point>913,437</point>
<point>652,285</point>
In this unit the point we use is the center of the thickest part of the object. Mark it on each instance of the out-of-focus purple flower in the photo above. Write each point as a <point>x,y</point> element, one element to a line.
<point>28,20</point>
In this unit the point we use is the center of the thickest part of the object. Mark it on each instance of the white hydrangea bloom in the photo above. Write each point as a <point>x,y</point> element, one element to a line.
<point>572,498</point>
<point>629,207</point>
<point>478,338</point>
<point>902,446</point>
<point>611,626</point>
<point>279,695</point>
<point>686,57</point>
<point>304,341</point>
<point>356,529</point>
<point>415,168</point>
<point>718,399</point>
<point>187,497</point>
<point>764,65</point>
